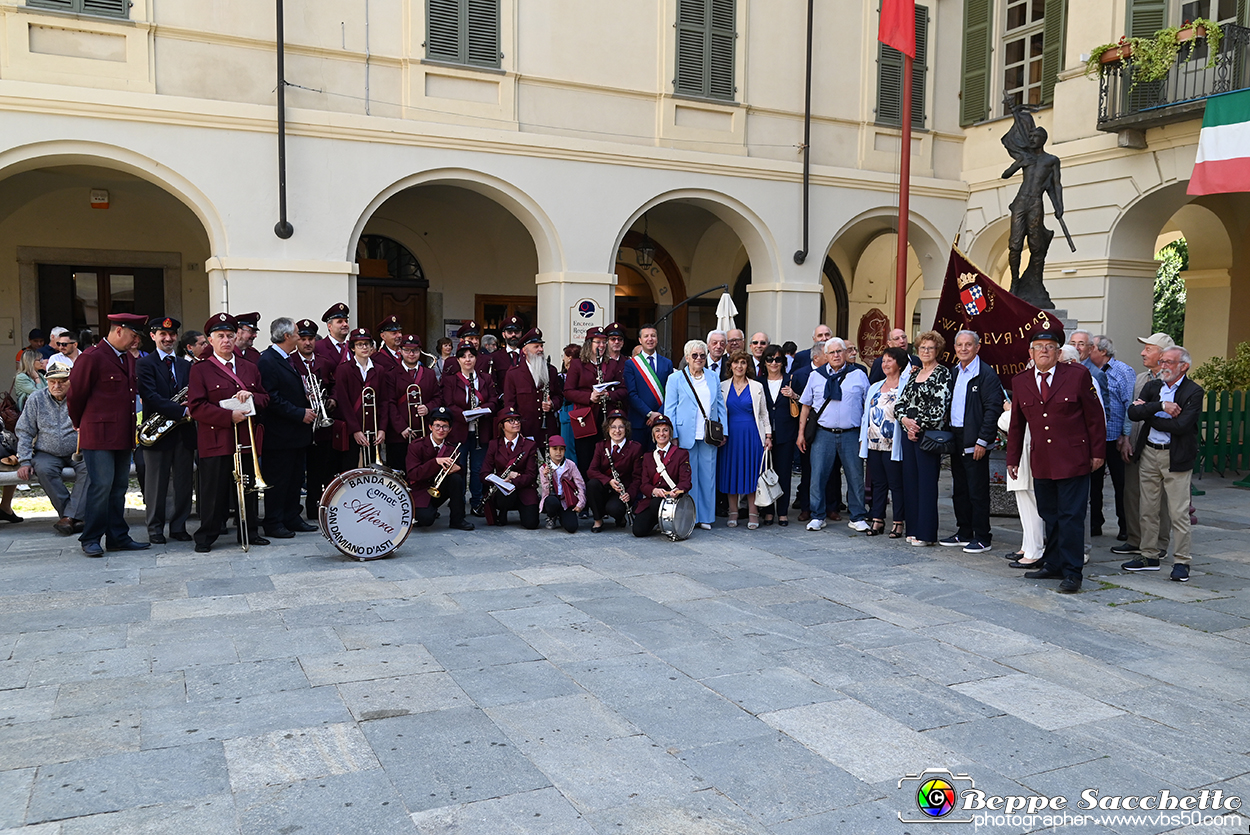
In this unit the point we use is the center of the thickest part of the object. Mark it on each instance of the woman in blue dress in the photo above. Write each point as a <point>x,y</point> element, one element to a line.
<point>748,434</point>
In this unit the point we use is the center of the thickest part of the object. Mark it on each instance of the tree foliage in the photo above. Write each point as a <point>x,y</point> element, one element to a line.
<point>1220,374</point>
<point>1169,303</point>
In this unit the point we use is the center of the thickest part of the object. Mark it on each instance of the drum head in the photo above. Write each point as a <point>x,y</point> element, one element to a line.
<point>366,513</point>
<point>677,517</point>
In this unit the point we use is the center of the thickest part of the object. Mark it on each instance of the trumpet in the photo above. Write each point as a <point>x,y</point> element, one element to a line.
<point>158,426</point>
<point>243,483</point>
<point>433,489</point>
<point>413,409</point>
<point>369,421</point>
<point>317,401</point>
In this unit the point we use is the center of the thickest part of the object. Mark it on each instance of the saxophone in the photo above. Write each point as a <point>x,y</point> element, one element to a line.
<point>158,426</point>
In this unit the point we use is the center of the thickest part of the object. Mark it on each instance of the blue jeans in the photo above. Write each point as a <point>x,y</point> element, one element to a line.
<point>828,448</point>
<point>105,512</point>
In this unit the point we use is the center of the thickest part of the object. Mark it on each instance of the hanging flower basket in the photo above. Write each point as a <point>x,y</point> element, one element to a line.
<point>1154,57</point>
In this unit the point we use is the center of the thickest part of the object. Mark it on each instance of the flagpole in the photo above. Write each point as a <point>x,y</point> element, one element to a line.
<point>904,198</point>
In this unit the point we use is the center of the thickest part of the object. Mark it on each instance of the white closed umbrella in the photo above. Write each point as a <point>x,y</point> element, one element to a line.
<point>725,313</point>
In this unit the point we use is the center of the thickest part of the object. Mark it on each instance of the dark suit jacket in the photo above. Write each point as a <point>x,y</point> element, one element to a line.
<point>677,462</point>
<point>800,376</point>
<point>785,427</point>
<point>157,389</point>
<point>209,385</point>
<point>323,370</point>
<point>983,403</point>
<point>498,458</point>
<point>641,398</point>
<point>431,395</point>
<point>628,464</point>
<point>1183,450</point>
<point>101,398</point>
<point>1068,428</point>
<point>876,374</point>
<point>284,419</point>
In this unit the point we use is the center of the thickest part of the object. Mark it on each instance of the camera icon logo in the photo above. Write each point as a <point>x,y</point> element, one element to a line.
<point>933,796</point>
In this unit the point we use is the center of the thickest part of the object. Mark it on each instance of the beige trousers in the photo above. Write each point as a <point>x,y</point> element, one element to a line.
<point>1158,483</point>
<point>1132,508</point>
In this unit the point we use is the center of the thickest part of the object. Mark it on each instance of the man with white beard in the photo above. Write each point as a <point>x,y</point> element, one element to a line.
<point>534,390</point>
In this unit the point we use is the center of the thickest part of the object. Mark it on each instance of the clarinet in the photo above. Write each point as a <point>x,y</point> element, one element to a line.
<point>599,380</point>
<point>616,476</point>
<point>507,471</point>
<point>546,397</point>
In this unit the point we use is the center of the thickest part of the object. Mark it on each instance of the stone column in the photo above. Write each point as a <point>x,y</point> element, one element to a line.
<point>1208,306</point>
<point>559,295</point>
<point>298,289</point>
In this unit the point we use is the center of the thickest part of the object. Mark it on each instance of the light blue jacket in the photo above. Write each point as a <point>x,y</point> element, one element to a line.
<point>682,407</point>
<point>896,448</point>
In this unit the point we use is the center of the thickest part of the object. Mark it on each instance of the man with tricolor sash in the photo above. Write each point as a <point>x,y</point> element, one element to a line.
<point>645,378</point>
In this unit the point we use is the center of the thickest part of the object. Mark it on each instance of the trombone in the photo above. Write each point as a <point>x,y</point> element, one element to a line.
<point>413,407</point>
<point>369,422</point>
<point>433,489</point>
<point>243,483</point>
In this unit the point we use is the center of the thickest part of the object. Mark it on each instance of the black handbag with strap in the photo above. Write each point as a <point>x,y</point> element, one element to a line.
<point>809,428</point>
<point>713,431</point>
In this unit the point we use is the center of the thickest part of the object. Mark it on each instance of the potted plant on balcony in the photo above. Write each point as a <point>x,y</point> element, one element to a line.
<point>1153,58</point>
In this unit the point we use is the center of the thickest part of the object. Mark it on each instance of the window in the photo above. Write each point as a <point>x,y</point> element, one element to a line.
<point>463,32</point>
<point>1028,43</point>
<point>890,78</point>
<point>705,49</point>
<point>103,8</point>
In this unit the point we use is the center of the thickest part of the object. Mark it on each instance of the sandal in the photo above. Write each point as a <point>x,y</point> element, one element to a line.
<point>896,530</point>
<point>878,528</point>
<point>733,520</point>
<point>753,521</point>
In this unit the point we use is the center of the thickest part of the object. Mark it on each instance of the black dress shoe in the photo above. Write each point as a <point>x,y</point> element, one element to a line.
<point>156,539</point>
<point>257,540</point>
<point>301,526</point>
<point>92,549</point>
<point>279,533</point>
<point>130,546</point>
<point>785,523</point>
<point>1043,574</point>
<point>202,549</point>
<point>596,528</point>
<point>180,536</point>
<point>478,511</point>
<point>1069,586</point>
<point>465,525</point>
<point>78,526</point>
<point>1019,564</point>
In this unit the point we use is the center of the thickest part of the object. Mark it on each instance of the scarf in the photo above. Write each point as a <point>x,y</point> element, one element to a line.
<point>833,381</point>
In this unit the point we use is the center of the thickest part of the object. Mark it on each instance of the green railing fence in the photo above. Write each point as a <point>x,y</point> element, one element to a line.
<point>1224,435</point>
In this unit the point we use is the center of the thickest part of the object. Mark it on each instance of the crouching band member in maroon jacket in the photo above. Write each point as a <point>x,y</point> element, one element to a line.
<point>659,484</point>
<point>435,475</point>
<point>616,457</point>
<point>224,376</point>
<point>513,459</point>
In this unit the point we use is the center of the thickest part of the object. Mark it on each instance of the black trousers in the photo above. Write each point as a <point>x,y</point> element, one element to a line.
<point>971,480</point>
<point>604,501</point>
<point>646,520</point>
<point>451,493</point>
<point>1061,503</point>
<point>887,479</point>
<point>216,490</point>
<point>322,465</point>
<point>585,449</point>
<point>283,470</point>
<point>397,455</point>
<point>527,512</point>
<point>1096,481</point>
<point>783,464</point>
<point>173,466</point>
<point>554,508</point>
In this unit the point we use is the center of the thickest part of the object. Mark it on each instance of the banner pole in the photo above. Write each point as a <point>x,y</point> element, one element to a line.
<point>904,198</point>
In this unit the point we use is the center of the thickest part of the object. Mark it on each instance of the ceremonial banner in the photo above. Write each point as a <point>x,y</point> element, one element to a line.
<point>897,27</point>
<point>971,301</point>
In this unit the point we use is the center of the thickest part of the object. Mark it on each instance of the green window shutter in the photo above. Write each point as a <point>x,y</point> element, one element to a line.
<point>442,30</point>
<point>61,5</point>
<point>1145,17</point>
<point>483,33</point>
<point>1054,34</point>
<point>705,48</point>
<point>975,86</point>
<point>920,68</point>
<point>107,8</point>
<point>1243,19</point>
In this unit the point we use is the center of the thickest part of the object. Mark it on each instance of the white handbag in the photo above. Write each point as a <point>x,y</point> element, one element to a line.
<point>767,487</point>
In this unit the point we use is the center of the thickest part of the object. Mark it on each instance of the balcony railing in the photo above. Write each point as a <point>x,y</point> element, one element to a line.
<point>1179,96</point>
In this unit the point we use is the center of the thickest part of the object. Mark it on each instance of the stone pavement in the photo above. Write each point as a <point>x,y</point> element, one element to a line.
<point>504,682</point>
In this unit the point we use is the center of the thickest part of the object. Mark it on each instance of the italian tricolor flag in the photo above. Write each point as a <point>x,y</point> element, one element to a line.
<point>1223,146</point>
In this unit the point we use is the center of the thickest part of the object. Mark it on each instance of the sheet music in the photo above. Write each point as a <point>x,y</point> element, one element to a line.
<point>506,487</point>
<point>470,414</point>
<point>233,404</point>
<point>605,386</point>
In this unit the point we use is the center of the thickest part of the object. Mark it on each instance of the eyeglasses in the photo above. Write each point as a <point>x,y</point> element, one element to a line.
<point>927,348</point>
<point>698,356</point>
<point>753,342</point>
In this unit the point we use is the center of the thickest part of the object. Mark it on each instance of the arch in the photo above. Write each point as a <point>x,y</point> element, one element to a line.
<point>1134,232</point>
<point>746,224</point>
<point>59,152</point>
<point>523,207</point>
<point>923,237</point>
<point>834,276</point>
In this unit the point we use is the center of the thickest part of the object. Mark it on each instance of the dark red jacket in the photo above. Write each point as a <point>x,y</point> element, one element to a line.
<point>320,367</point>
<point>498,458</point>
<point>519,393</point>
<point>456,398</point>
<point>1067,429</point>
<point>249,353</point>
<point>101,399</point>
<point>677,462</point>
<point>401,377</point>
<point>628,464</point>
<point>348,387</point>
<point>209,385</point>
<point>422,468</point>
<point>385,359</point>
<point>324,347</point>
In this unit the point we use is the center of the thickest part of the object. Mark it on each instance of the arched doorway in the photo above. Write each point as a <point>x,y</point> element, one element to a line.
<point>837,285</point>
<point>650,291</point>
<point>390,281</point>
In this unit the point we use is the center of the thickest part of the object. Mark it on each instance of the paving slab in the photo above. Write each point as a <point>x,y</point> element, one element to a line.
<point>15,785</point>
<point>289,756</point>
<point>237,681</point>
<point>1038,701</point>
<point>367,664</point>
<point>382,698</point>
<point>541,812</point>
<point>78,698</point>
<point>769,689</point>
<point>71,738</point>
<point>362,801</point>
<point>203,816</point>
<point>229,719</point>
<point>505,684</point>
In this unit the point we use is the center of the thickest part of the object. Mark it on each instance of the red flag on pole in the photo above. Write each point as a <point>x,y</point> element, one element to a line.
<point>898,25</point>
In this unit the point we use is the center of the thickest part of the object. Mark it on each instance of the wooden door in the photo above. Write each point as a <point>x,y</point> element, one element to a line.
<point>375,300</point>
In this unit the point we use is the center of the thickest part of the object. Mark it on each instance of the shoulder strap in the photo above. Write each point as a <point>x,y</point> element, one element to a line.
<point>662,470</point>
<point>686,373</point>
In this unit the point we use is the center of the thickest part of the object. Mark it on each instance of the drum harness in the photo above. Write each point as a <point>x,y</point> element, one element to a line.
<point>662,470</point>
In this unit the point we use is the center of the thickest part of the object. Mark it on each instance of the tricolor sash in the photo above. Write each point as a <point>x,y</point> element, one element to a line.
<point>650,378</point>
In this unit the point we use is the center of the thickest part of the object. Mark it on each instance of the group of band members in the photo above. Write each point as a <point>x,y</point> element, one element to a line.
<point>312,406</point>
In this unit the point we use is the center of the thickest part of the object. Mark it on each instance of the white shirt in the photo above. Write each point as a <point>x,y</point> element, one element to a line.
<point>1167,394</point>
<point>365,369</point>
<point>1050,378</point>
<point>704,394</point>
<point>281,352</point>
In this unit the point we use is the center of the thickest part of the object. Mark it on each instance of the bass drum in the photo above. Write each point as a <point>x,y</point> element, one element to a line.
<point>366,513</point>
<point>677,517</point>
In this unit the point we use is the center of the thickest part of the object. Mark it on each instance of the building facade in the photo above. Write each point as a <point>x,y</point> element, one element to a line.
<point>569,162</point>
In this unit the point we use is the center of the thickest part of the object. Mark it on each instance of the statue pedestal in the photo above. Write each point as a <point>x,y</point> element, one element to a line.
<point>1069,325</point>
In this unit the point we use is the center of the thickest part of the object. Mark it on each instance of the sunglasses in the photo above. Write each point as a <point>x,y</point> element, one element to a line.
<point>772,359</point>
<point>698,356</point>
<point>759,343</point>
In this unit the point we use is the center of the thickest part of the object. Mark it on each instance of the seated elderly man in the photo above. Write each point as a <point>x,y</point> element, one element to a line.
<point>46,443</point>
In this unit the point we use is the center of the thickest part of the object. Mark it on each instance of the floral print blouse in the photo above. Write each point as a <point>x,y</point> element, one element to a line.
<point>926,401</point>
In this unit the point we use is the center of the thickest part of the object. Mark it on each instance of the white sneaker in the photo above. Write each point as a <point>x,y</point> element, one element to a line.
<point>816,524</point>
<point>704,526</point>
<point>860,526</point>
